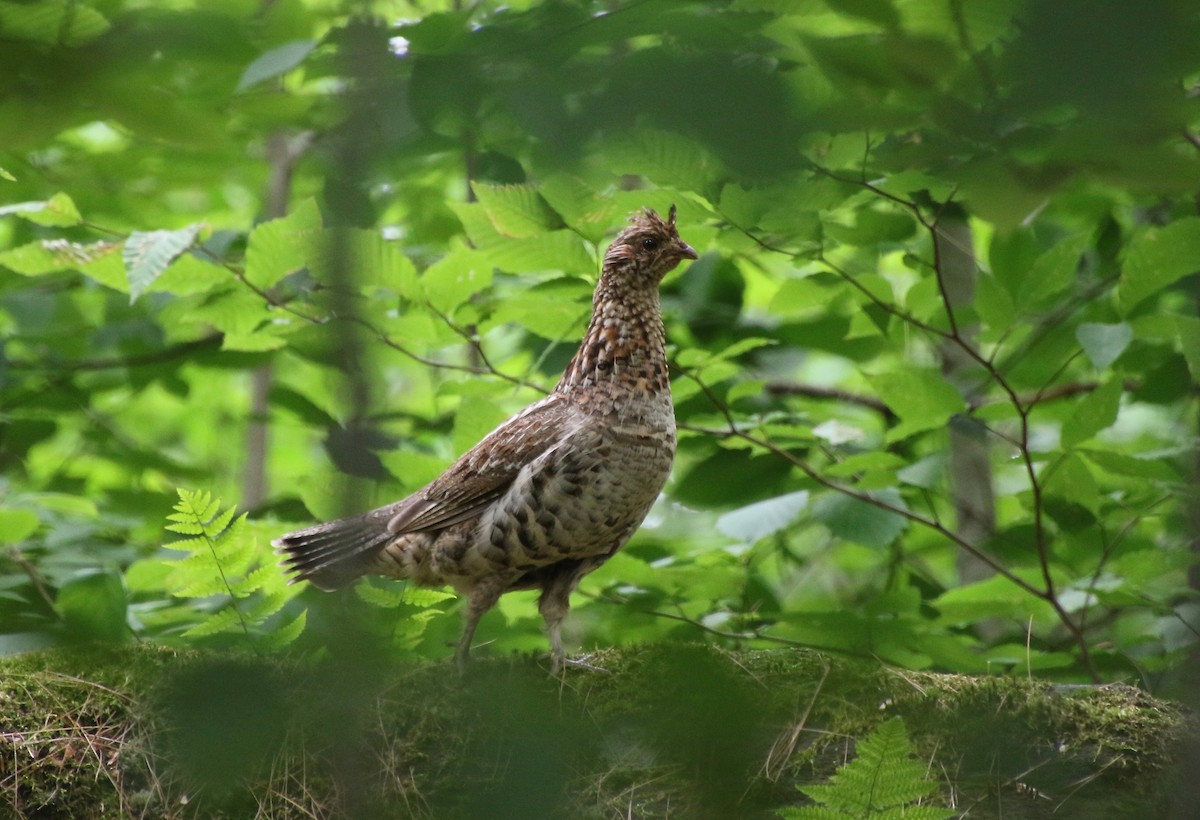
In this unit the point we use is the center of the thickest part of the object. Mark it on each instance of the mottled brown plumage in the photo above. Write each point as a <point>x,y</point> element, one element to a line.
<point>553,492</point>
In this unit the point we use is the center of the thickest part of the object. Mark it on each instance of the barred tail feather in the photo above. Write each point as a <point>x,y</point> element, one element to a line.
<point>334,554</point>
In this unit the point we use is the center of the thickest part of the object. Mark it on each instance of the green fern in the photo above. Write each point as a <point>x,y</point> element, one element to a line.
<point>885,782</point>
<point>414,608</point>
<point>227,576</point>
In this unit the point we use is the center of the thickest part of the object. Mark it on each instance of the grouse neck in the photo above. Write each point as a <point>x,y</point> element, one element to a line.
<point>624,347</point>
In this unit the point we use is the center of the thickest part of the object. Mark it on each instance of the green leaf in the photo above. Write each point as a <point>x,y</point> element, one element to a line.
<point>669,159</point>
<point>148,575</point>
<point>17,525</point>
<point>553,310</point>
<point>51,22</point>
<point>729,478</point>
<point>756,521</point>
<point>93,607</point>
<point>1103,344</point>
<point>188,275</point>
<point>371,260</point>
<point>514,210</point>
<point>1187,329</point>
<point>4,174</point>
<point>875,11</point>
<point>451,280</point>
<point>147,255</point>
<point>698,359</point>
<point>801,297</point>
<point>993,302</point>
<point>277,248</point>
<point>854,520</point>
<point>994,597</point>
<point>927,472</point>
<point>413,469</point>
<point>1093,413</point>
<point>1155,469</point>
<point>275,62</point>
<point>580,206</point>
<point>872,227</point>
<point>875,461</point>
<point>1020,656</point>
<point>58,211</point>
<point>1159,257</point>
<point>1070,492</point>
<point>923,400</point>
<point>233,310</point>
<point>475,418</point>
<point>554,251</point>
<point>253,342</point>
<point>104,264</point>
<point>67,504</point>
<point>1053,271</point>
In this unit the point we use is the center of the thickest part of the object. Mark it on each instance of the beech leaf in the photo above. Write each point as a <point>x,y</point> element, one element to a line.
<point>1104,344</point>
<point>147,254</point>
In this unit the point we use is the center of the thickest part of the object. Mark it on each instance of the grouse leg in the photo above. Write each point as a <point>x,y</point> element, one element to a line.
<point>554,608</point>
<point>480,599</point>
<point>554,604</point>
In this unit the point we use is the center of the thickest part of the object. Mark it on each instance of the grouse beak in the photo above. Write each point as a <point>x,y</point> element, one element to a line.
<point>686,251</point>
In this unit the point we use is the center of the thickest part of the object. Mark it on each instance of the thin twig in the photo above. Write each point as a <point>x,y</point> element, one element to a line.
<point>1023,410</point>
<point>1046,395</point>
<point>35,577</point>
<point>733,430</point>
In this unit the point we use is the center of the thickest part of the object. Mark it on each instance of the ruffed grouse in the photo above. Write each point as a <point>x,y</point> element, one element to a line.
<point>553,492</point>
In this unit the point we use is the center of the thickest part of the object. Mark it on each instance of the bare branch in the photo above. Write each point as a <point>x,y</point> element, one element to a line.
<point>779,387</point>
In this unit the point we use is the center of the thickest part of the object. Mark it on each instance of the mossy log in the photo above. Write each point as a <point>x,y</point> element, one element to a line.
<point>663,731</point>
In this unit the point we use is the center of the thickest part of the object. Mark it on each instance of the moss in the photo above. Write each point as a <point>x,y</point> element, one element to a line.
<point>666,731</point>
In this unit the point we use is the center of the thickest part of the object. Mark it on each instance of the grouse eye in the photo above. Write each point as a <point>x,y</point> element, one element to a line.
<point>650,243</point>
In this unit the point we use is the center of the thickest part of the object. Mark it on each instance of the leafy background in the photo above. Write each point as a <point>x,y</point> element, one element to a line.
<point>935,371</point>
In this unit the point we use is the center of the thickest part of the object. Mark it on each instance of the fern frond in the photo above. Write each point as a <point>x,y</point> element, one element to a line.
<point>426,597</point>
<point>220,621</point>
<point>220,523</point>
<point>196,505</point>
<point>253,581</point>
<point>387,597</point>
<point>813,813</point>
<point>392,595</point>
<point>187,544</point>
<point>925,813</point>
<point>284,635</point>
<point>227,572</point>
<point>885,781</point>
<point>408,632</point>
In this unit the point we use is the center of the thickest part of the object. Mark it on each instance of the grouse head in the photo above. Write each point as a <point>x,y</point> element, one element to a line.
<point>647,250</point>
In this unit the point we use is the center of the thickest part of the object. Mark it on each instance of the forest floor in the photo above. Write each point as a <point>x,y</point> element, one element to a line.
<point>659,731</point>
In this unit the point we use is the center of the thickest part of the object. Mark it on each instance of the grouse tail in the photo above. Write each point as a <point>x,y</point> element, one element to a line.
<point>334,554</point>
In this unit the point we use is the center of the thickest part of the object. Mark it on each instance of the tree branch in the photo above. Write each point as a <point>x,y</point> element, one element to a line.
<point>780,387</point>
<point>734,431</point>
<point>1022,408</point>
